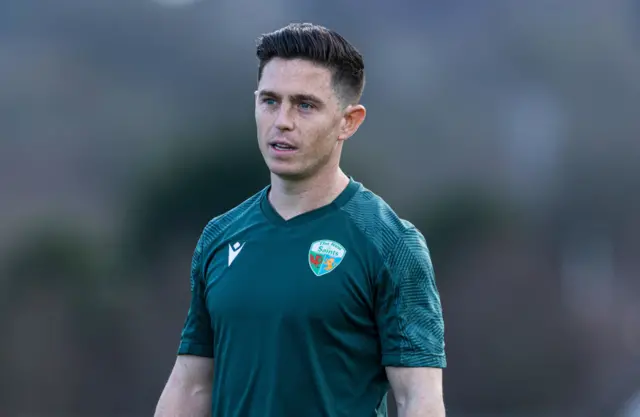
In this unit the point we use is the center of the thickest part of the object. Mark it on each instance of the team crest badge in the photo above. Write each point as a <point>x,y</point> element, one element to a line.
<point>325,256</point>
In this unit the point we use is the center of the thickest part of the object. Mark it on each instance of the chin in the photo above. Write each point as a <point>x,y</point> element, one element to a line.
<point>290,175</point>
<point>287,172</point>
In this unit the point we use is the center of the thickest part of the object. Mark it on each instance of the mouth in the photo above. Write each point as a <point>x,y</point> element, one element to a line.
<point>281,146</point>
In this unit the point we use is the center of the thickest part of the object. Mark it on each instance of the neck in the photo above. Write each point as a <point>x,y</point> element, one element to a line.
<point>291,198</point>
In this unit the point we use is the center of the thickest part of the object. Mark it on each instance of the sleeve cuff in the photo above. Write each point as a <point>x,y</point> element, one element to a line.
<point>195,349</point>
<point>414,360</point>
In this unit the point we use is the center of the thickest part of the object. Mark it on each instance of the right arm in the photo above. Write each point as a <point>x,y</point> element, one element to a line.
<point>187,392</point>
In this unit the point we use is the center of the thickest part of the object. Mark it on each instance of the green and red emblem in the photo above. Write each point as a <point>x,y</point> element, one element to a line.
<point>325,256</point>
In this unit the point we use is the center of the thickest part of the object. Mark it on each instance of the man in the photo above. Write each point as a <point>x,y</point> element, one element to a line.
<point>311,297</point>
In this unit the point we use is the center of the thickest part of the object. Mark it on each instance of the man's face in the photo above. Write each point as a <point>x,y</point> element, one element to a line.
<point>300,122</point>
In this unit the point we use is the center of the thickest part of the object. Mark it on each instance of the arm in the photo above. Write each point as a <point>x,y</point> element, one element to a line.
<point>409,317</point>
<point>417,391</point>
<point>188,390</point>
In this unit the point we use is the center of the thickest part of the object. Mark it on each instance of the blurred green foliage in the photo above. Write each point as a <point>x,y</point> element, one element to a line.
<point>187,188</point>
<point>462,215</point>
<point>56,255</point>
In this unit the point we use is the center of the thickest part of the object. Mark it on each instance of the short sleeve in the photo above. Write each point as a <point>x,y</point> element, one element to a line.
<point>408,308</point>
<point>197,336</point>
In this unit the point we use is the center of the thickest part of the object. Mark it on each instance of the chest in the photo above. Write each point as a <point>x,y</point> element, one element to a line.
<point>278,277</point>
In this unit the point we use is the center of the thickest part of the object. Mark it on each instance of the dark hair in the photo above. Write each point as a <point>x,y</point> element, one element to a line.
<point>321,46</point>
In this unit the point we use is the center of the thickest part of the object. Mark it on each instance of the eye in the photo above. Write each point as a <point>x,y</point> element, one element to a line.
<point>306,106</point>
<point>269,101</point>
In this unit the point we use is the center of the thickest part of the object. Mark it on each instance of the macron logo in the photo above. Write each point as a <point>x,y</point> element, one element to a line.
<point>234,251</point>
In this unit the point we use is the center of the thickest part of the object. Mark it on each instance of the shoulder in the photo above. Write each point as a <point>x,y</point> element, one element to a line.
<point>219,224</point>
<point>381,225</point>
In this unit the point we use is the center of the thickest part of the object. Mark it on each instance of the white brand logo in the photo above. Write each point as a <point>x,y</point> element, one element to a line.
<point>234,251</point>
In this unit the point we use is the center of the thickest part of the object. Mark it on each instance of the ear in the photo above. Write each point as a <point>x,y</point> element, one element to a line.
<point>351,120</point>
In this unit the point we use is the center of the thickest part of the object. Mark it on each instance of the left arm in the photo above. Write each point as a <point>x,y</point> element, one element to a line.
<point>417,391</point>
<point>411,327</point>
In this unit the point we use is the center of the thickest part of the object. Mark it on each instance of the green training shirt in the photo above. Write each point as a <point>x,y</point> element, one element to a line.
<point>303,315</point>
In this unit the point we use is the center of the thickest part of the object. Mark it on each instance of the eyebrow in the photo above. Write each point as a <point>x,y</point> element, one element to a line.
<point>294,97</point>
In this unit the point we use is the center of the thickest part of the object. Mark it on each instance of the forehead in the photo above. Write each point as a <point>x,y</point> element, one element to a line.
<point>296,76</point>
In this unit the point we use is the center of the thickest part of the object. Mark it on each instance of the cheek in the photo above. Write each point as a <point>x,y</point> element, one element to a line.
<point>327,134</point>
<point>262,124</point>
<point>324,126</point>
<point>323,143</point>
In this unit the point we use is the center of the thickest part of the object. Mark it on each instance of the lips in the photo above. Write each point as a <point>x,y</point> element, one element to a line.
<point>282,146</point>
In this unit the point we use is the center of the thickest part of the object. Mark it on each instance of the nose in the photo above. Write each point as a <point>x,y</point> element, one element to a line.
<point>284,120</point>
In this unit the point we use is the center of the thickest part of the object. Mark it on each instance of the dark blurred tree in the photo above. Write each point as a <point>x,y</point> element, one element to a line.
<point>192,185</point>
<point>460,218</point>
<point>56,256</point>
<point>57,282</point>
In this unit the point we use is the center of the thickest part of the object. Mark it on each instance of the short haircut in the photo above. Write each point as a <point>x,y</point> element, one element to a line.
<point>321,46</point>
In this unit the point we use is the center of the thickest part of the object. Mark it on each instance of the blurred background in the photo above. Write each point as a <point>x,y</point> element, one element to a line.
<point>505,130</point>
